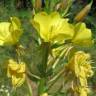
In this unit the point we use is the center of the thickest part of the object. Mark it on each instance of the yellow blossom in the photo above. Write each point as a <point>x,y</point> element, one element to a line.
<point>78,70</point>
<point>52,28</point>
<point>83,35</point>
<point>10,32</point>
<point>16,72</point>
<point>80,64</point>
<point>83,91</point>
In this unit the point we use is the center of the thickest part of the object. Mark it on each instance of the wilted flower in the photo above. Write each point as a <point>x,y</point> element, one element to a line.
<point>80,65</point>
<point>79,69</point>
<point>10,32</point>
<point>16,72</point>
<point>52,28</point>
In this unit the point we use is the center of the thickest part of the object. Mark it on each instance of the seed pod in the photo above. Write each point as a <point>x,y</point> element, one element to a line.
<point>38,4</point>
<point>80,16</point>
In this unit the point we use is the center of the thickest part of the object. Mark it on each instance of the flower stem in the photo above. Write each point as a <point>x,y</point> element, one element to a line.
<point>43,67</point>
<point>29,87</point>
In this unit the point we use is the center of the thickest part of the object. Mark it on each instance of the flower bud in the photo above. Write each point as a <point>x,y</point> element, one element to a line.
<point>80,16</point>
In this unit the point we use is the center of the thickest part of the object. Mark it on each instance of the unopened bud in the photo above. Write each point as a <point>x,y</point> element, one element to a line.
<point>38,4</point>
<point>83,13</point>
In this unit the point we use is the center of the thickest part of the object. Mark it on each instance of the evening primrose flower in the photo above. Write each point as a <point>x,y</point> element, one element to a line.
<point>83,35</point>
<point>52,28</point>
<point>10,32</point>
<point>16,72</point>
<point>81,65</point>
<point>80,70</point>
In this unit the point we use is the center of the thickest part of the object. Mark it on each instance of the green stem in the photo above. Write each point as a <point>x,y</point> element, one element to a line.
<point>45,53</point>
<point>33,76</point>
<point>41,87</point>
<point>29,87</point>
<point>47,6</point>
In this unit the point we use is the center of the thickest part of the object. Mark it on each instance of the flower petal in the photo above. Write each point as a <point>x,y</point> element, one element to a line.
<point>53,28</point>
<point>10,32</point>
<point>18,80</point>
<point>83,35</point>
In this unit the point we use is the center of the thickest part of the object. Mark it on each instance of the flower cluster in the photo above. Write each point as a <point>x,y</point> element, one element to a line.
<point>52,28</point>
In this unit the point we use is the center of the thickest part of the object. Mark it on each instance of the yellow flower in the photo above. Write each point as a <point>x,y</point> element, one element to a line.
<point>83,35</point>
<point>80,69</point>
<point>52,28</point>
<point>80,64</point>
<point>16,72</point>
<point>10,32</point>
<point>83,91</point>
